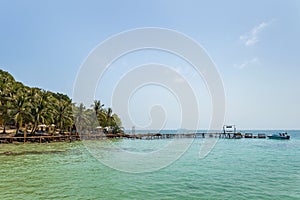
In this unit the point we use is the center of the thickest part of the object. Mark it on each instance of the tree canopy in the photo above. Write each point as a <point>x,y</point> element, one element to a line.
<point>22,106</point>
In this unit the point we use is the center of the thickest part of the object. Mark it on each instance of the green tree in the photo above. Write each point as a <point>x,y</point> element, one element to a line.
<point>20,106</point>
<point>80,117</point>
<point>23,105</point>
<point>99,112</point>
<point>112,121</point>
<point>117,120</point>
<point>63,113</point>
<point>41,107</point>
<point>6,89</point>
<point>109,118</point>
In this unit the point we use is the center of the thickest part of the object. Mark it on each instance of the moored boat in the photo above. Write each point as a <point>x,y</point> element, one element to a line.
<point>279,136</point>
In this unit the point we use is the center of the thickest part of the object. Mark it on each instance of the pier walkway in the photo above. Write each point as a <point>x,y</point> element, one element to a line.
<point>141,136</point>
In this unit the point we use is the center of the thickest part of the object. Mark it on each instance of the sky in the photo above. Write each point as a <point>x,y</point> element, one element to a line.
<point>254,45</point>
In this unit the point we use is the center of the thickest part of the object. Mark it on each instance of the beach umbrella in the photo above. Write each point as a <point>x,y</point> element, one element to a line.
<point>42,125</point>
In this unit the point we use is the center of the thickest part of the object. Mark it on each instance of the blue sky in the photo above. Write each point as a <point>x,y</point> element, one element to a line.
<point>254,44</point>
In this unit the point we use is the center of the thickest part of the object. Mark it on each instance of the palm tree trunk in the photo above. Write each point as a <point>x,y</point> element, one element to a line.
<point>4,128</point>
<point>34,128</point>
<point>18,127</point>
<point>25,133</point>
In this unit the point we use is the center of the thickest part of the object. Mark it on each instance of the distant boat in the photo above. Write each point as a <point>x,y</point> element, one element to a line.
<point>279,136</point>
<point>237,136</point>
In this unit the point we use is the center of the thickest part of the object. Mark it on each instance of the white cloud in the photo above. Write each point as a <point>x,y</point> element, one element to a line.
<point>250,38</point>
<point>247,63</point>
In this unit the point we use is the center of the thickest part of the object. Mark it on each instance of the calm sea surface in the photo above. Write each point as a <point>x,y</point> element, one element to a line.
<point>235,169</point>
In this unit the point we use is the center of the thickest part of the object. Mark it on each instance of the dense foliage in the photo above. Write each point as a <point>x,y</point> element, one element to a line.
<point>26,108</point>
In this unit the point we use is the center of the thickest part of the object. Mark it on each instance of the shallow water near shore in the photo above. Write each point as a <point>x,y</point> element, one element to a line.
<point>235,169</point>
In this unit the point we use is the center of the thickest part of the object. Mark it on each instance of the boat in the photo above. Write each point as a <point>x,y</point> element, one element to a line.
<point>279,136</point>
<point>237,136</point>
<point>261,135</point>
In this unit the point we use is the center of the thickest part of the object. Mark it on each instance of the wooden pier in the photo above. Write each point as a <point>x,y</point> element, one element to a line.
<point>153,136</point>
<point>135,136</point>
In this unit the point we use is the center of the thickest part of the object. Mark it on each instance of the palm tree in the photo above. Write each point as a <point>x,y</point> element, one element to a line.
<point>23,105</point>
<point>4,111</point>
<point>20,107</point>
<point>41,107</point>
<point>80,117</point>
<point>98,108</point>
<point>5,115</point>
<point>6,91</point>
<point>63,113</point>
<point>109,118</point>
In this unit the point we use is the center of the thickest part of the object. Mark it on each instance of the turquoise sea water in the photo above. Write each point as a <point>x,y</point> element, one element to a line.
<point>235,169</point>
